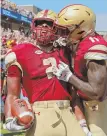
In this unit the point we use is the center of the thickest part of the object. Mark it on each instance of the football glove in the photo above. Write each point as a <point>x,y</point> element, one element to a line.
<point>60,42</point>
<point>62,72</point>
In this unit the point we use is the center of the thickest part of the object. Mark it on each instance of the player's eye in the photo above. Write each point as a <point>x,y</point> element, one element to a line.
<point>41,22</point>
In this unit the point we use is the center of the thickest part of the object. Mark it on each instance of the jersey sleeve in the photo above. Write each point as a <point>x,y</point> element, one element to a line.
<point>14,71</point>
<point>12,57</point>
<point>96,52</point>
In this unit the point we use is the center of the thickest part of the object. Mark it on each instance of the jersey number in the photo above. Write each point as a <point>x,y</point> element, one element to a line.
<point>93,39</point>
<point>49,61</point>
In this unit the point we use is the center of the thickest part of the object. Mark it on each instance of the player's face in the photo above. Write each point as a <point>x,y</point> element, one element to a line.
<point>44,31</point>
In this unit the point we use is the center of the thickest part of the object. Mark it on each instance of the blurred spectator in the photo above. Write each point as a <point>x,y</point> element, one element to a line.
<point>21,29</point>
<point>6,4</point>
<point>10,38</point>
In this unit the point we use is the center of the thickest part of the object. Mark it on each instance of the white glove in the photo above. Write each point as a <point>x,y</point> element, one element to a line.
<point>62,72</point>
<point>11,125</point>
<point>59,42</point>
<point>83,124</point>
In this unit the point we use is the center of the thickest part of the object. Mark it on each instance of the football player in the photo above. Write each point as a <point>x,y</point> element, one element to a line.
<point>89,51</point>
<point>30,64</point>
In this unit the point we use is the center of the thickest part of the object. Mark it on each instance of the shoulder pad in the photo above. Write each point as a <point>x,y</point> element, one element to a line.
<point>97,52</point>
<point>10,58</point>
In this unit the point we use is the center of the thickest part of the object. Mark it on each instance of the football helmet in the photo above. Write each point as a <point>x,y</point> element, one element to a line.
<point>79,20</point>
<point>43,27</point>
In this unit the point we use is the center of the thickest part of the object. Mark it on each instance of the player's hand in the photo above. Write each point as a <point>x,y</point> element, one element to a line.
<point>60,42</point>
<point>12,125</point>
<point>62,72</point>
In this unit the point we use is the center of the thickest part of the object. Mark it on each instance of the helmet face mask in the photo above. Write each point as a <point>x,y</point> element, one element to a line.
<point>43,32</point>
<point>43,27</point>
<point>49,22</point>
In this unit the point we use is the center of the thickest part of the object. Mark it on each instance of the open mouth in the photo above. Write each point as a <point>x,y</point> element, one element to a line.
<point>43,31</point>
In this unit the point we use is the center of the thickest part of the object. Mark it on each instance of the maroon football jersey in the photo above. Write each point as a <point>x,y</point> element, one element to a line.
<point>91,47</point>
<point>37,77</point>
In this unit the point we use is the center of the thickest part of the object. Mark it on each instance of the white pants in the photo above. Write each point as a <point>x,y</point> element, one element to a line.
<point>96,115</point>
<point>54,118</point>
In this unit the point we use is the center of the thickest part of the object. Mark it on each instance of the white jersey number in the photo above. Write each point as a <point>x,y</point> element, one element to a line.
<point>49,61</point>
<point>93,39</point>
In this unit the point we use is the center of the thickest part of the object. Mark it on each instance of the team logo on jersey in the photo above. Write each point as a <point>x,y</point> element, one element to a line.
<point>38,52</point>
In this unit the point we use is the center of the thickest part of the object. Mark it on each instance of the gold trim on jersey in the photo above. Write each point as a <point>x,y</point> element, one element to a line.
<point>99,47</point>
<point>11,59</point>
<point>96,55</point>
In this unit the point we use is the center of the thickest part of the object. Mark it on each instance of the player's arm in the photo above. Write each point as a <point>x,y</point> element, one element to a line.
<point>14,88</point>
<point>78,109</point>
<point>13,91</point>
<point>14,76</point>
<point>97,80</point>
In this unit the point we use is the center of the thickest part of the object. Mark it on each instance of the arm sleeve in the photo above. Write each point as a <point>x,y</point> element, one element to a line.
<point>14,71</point>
